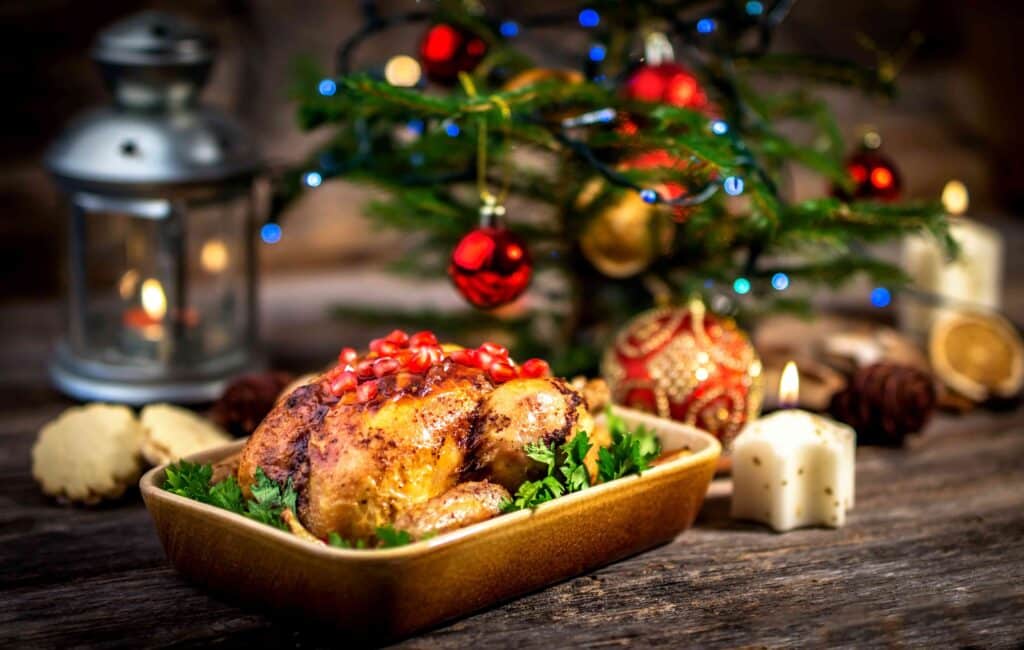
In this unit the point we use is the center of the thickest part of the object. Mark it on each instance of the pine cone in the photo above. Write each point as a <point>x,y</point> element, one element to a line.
<point>884,402</point>
<point>247,400</point>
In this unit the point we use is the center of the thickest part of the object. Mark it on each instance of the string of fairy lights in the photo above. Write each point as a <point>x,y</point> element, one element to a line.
<point>405,71</point>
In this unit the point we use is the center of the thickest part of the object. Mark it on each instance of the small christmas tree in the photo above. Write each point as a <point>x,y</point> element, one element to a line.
<point>653,172</point>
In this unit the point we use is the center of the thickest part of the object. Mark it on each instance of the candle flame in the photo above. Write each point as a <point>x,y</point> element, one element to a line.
<point>154,302</point>
<point>955,198</point>
<point>789,386</point>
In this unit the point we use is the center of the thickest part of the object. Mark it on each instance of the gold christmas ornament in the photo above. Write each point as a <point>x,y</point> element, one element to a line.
<point>686,364</point>
<point>625,237</point>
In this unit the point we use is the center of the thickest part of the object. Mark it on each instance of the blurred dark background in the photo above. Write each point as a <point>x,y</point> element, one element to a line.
<point>956,115</point>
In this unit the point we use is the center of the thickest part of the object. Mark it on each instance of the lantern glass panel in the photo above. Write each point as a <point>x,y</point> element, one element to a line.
<point>161,283</point>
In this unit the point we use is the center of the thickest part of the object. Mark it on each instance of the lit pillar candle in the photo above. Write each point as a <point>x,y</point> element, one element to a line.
<point>793,468</point>
<point>975,277</point>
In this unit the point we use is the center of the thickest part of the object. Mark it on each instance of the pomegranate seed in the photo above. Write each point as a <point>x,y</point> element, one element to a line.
<point>499,351</point>
<point>483,359</point>
<point>534,368</point>
<point>333,373</point>
<point>398,337</point>
<point>385,366</point>
<point>403,356</point>
<point>419,362</point>
<point>348,356</point>
<point>366,391</point>
<point>501,372</point>
<point>375,345</point>
<point>365,368</point>
<point>463,357</point>
<point>420,339</point>
<point>344,382</point>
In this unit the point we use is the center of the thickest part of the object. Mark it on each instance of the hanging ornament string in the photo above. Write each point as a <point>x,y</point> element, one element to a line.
<point>492,206</point>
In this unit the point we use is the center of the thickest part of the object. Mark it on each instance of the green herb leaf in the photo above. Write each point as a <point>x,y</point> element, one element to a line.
<point>190,480</point>
<point>389,537</point>
<point>228,495</point>
<point>631,452</point>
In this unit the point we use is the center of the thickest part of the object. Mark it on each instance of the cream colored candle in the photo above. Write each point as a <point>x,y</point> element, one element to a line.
<point>793,468</point>
<point>975,277</point>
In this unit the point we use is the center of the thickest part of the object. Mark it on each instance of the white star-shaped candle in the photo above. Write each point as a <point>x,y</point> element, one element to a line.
<point>793,468</point>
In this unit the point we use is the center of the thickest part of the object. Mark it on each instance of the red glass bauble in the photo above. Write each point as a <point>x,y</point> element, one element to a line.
<point>447,50</point>
<point>490,267</point>
<point>689,365</point>
<point>874,176</point>
<point>667,83</point>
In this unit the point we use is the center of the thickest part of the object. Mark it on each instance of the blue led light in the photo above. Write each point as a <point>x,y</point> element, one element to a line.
<point>327,87</point>
<point>780,281</point>
<point>880,297</point>
<point>509,29</point>
<point>600,78</point>
<point>416,126</point>
<point>718,127</point>
<point>270,233</point>
<point>648,195</point>
<point>733,185</point>
<point>705,25</point>
<point>755,8</point>
<point>452,129</point>
<point>709,283</point>
<point>590,18</point>
<point>597,52</point>
<point>416,159</point>
<point>313,179</point>
<point>741,286</point>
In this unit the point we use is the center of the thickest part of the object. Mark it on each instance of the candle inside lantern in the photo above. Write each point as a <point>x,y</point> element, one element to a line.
<point>148,319</point>
<point>793,468</point>
<point>975,277</point>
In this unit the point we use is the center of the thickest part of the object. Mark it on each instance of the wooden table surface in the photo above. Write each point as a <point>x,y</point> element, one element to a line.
<point>933,555</point>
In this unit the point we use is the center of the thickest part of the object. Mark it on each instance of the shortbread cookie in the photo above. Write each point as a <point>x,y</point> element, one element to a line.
<point>88,453</point>
<point>171,433</point>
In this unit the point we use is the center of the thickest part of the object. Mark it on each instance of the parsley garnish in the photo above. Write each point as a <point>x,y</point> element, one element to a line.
<point>387,537</point>
<point>631,452</point>
<point>192,480</point>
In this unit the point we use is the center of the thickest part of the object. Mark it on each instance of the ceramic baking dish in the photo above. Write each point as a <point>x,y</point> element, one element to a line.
<point>384,594</point>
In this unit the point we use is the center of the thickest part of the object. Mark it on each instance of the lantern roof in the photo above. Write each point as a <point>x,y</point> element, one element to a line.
<point>156,134</point>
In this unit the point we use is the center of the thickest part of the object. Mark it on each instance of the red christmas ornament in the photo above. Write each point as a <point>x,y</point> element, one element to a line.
<point>447,50</point>
<point>874,176</point>
<point>688,365</point>
<point>667,83</point>
<point>490,267</point>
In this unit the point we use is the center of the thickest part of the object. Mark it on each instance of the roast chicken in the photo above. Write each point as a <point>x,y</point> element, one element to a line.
<point>429,452</point>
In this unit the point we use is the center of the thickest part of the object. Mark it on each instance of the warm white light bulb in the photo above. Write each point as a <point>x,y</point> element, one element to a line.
<point>213,256</point>
<point>955,197</point>
<point>402,71</point>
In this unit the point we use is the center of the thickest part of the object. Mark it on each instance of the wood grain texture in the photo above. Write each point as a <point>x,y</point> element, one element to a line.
<point>933,555</point>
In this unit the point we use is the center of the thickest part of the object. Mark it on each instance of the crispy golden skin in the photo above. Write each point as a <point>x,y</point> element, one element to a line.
<point>418,455</point>
<point>465,504</point>
<point>520,412</point>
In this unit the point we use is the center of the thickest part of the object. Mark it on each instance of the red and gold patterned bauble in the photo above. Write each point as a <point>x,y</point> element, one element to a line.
<point>667,83</point>
<point>490,267</point>
<point>447,50</point>
<point>686,364</point>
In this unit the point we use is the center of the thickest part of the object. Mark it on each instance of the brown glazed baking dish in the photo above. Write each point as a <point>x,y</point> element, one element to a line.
<point>379,595</point>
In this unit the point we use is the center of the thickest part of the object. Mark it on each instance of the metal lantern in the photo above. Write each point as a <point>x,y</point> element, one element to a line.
<point>162,277</point>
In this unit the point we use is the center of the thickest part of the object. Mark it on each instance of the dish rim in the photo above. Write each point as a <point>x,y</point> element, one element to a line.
<point>150,489</point>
